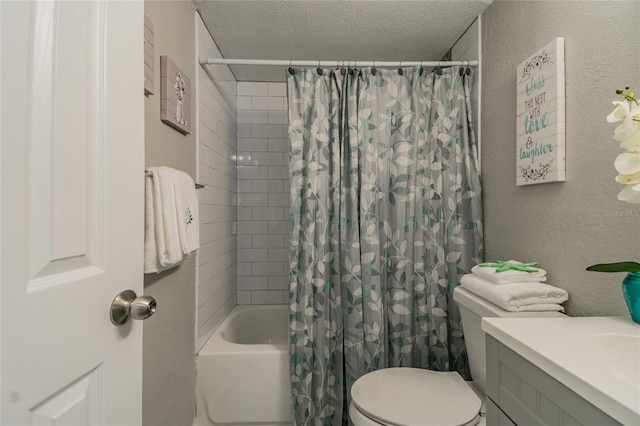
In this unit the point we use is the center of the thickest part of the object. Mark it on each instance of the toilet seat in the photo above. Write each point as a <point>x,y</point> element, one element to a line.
<point>415,397</point>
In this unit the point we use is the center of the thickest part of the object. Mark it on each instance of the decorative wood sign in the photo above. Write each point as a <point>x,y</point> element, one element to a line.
<point>175,96</point>
<point>148,57</point>
<point>540,122</point>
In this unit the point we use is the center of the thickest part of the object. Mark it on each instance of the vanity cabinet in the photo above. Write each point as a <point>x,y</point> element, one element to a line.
<point>521,394</point>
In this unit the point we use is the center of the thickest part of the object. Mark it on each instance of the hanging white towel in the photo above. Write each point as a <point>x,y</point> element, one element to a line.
<point>167,233</point>
<point>151,262</point>
<point>515,296</point>
<point>171,219</point>
<point>508,277</point>
<point>186,204</point>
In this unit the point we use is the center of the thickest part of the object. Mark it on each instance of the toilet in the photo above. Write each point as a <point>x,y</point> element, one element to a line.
<point>418,397</point>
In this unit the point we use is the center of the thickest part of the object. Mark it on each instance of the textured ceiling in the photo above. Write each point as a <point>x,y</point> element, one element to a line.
<point>334,30</point>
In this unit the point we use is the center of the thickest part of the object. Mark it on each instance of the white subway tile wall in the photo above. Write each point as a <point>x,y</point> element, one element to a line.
<point>217,149</point>
<point>263,194</point>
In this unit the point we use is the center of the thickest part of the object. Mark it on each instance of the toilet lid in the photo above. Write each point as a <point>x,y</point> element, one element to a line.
<point>413,396</point>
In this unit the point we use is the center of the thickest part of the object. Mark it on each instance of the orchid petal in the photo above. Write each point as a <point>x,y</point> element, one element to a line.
<point>620,112</point>
<point>628,163</point>
<point>630,194</point>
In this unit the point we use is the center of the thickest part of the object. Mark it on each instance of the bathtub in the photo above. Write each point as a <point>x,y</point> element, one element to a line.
<point>243,370</point>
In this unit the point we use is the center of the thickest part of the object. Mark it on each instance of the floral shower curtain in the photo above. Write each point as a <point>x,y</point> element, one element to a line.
<point>386,215</point>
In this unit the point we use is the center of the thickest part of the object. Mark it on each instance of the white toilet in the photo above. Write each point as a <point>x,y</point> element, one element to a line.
<point>417,397</point>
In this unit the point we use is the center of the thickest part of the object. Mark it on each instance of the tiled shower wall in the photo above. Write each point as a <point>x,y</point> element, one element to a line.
<point>216,133</point>
<point>263,194</point>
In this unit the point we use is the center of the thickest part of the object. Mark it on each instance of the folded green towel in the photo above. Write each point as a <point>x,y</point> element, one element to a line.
<point>501,266</point>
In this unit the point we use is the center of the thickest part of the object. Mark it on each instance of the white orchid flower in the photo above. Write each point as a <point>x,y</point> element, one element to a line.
<point>628,165</point>
<point>620,112</point>
<point>625,112</point>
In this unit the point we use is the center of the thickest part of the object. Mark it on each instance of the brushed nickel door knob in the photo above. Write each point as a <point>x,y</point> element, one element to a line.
<point>128,305</point>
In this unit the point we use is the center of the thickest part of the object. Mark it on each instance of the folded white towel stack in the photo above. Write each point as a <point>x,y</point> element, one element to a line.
<point>515,290</point>
<point>524,296</point>
<point>171,219</point>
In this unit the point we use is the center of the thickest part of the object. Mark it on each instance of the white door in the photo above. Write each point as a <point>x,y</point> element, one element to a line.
<point>72,162</point>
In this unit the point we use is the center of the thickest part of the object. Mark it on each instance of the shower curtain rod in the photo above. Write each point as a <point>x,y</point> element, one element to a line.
<point>291,63</point>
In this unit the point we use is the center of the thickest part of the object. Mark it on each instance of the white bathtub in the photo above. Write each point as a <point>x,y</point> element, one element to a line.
<point>243,370</point>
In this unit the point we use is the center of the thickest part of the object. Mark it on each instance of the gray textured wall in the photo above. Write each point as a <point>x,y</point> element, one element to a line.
<point>571,225</point>
<point>169,370</point>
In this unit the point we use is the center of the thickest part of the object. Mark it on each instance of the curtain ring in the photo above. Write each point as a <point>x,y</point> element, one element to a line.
<point>421,68</point>
<point>291,67</point>
<point>400,70</point>
<point>319,70</point>
<point>373,70</point>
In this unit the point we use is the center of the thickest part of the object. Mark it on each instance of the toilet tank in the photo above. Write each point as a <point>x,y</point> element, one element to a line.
<point>472,309</point>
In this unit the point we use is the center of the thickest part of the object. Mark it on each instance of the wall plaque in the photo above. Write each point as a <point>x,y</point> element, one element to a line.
<point>540,122</point>
<point>175,96</point>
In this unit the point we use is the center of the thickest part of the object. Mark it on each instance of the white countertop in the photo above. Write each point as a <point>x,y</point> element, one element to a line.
<point>557,346</point>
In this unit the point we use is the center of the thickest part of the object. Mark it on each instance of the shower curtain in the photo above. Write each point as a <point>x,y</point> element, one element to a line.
<point>386,216</point>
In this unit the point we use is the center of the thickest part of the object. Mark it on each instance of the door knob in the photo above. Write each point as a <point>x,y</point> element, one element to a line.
<point>127,305</point>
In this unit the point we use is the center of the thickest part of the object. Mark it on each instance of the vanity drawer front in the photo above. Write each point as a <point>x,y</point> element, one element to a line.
<point>529,396</point>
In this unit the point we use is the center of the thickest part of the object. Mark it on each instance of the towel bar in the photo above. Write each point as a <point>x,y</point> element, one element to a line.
<point>198,185</point>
